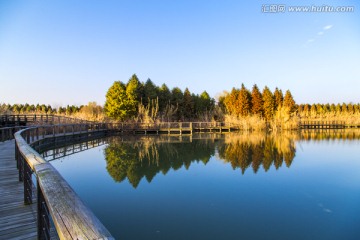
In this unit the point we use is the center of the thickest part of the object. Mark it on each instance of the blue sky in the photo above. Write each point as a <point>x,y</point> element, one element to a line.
<point>70,52</point>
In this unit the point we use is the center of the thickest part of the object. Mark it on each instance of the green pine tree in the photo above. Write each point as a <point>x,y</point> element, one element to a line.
<point>177,100</point>
<point>164,97</point>
<point>188,107</point>
<point>149,92</point>
<point>133,93</point>
<point>116,105</point>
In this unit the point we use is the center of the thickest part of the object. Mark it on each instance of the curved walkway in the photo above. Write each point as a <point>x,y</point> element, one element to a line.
<point>17,221</point>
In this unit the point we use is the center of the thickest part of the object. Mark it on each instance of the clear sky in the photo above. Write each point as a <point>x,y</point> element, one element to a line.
<point>70,52</point>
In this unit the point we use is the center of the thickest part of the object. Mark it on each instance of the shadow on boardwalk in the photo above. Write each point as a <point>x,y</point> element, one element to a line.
<point>17,221</point>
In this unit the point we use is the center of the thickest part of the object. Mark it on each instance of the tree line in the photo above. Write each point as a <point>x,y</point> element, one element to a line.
<point>91,111</point>
<point>243,102</point>
<point>317,109</point>
<point>146,102</point>
<point>39,108</point>
<point>133,99</point>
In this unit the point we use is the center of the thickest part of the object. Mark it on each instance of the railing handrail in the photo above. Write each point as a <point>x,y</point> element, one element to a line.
<point>17,127</point>
<point>52,117</point>
<point>71,217</point>
<point>77,120</point>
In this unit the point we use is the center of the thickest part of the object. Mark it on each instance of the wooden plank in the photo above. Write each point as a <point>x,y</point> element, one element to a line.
<point>17,221</point>
<point>72,219</point>
<point>31,156</point>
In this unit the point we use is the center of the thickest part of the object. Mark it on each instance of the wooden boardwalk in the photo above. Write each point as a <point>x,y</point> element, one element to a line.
<point>17,221</point>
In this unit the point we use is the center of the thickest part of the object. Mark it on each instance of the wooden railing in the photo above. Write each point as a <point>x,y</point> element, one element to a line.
<point>174,127</point>
<point>9,124</point>
<point>7,133</point>
<point>55,198</point>
<point>322,124</point>
<point>21,119</point>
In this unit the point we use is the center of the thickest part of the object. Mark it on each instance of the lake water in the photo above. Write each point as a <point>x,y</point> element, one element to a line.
<point>232,186</point>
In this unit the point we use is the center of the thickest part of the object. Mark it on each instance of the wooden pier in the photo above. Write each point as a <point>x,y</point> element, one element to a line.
<point>173,127</point>
<point>59,209</point>
<point>36,202</point>
<point>327,125</point>
<point>17,221</point>
<point>19,214</point>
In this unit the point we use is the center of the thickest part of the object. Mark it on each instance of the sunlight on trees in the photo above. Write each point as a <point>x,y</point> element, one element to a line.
<point>136,101</point>
<point>146,102</point>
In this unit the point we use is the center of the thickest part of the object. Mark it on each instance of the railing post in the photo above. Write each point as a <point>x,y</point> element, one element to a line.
<point>27,183</point>
<point>43,222</point>
<point>37,133</point>
<point>27,137</point>
<point>21,167</point>
<point>33,131</point>
<point>17,155</point>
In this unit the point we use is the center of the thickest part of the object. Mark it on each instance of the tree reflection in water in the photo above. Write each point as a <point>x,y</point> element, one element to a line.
<point>256,149</point>
<point>145,156</point>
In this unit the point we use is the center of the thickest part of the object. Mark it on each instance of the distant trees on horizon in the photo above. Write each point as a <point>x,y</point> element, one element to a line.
<point>91,111</point>
<point>146,102</point>
<point>40,109</point>
<point>318,110</point>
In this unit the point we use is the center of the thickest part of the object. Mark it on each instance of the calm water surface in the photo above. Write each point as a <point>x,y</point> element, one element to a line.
<point>238,186</point>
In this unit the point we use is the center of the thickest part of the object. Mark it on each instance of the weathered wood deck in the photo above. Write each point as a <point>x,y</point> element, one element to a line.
<point>17,221</point>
